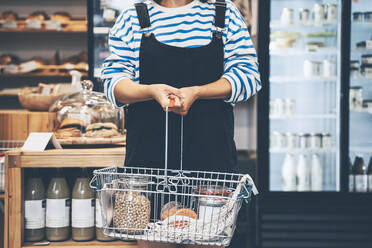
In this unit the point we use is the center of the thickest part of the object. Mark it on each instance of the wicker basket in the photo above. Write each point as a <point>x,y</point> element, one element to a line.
<point>36,101</point>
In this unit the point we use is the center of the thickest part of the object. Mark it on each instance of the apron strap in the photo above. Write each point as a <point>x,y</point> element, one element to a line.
<point>143,15</point>
<point>220,15</point>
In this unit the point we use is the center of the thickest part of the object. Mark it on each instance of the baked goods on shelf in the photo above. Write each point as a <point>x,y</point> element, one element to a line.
<point>61,17</point>
<point>66,133</point>
<point>38,15</point>
<point>9,16</point>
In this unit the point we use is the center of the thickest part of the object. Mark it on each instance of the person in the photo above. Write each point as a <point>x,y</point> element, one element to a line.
<point>197,53</point>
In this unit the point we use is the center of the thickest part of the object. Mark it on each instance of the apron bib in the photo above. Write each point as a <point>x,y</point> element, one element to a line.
<point>209,124</point>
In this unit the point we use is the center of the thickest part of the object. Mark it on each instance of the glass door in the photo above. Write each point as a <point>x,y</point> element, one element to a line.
<point>304,95</point>
<point>361,96</point>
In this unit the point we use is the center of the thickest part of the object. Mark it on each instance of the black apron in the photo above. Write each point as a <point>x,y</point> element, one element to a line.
<point>209,124</point>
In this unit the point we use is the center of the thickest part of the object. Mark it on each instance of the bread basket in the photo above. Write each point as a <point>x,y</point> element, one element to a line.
<point>32,100</point>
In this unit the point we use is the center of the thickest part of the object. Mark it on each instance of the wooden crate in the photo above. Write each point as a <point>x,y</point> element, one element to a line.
<point>17,124</point>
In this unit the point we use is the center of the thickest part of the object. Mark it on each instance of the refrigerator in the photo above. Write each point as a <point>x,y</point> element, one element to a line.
<point>306,129</point>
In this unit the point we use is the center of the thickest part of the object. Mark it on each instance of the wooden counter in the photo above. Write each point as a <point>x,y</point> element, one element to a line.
<point>93,157</point>
<point>17,161</point>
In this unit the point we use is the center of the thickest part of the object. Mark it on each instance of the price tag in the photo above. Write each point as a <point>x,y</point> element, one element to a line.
<point>37,142</point>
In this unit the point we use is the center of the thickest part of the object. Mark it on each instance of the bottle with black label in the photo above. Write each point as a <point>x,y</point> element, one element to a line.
<point>351,177</point>
<point>83,202</point>
<point>34,208</point>
<point>58,208</point>
<point>360,175</point>
<point>369,174</point>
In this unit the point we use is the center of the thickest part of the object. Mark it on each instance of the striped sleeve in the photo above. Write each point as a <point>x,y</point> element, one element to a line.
<point>120,63</point>
<point>241,66</point>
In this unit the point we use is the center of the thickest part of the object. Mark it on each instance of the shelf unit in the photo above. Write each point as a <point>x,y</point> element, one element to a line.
<point>17,161</point>
<point>89,244</point>
<point>303,117</point>
<point>302,52</point>
<point>288,79</point>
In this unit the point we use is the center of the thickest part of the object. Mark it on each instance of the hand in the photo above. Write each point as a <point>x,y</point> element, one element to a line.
<point>162,93</point>
<point>188,96</point>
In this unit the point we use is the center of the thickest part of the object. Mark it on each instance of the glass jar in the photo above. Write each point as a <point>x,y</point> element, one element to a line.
<point>132,206</point>
<point>86,113</point>
<point>209,207</point>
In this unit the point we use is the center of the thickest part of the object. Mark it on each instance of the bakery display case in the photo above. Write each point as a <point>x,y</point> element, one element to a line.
<point>86,117</point>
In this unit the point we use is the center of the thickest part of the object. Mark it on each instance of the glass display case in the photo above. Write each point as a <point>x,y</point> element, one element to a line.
<point>304,95</point>
<point>360,94</point>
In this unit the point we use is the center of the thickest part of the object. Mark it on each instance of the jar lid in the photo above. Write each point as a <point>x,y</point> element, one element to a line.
<point>326,134</point>
<point>213,190</point>
<point>366,66</point>
<point>355,87</point>
<point>316,134</point>
<point>357,13</point>
<point>304,134</point>
<point>366,55</point>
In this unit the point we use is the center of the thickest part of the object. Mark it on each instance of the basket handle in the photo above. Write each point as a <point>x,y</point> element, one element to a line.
<point>93,184</point>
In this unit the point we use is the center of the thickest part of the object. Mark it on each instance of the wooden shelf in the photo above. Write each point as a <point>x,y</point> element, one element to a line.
<point>89,244</point>
<point>74,26</point>
<point>92,157</point>
<point>40,74</point>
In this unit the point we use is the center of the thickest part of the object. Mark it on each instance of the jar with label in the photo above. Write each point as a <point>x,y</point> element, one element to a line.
<point>34,208</point>
<point>326,140</point>
<point>304,140</point>
<point>356,98</point>
<point>58,208</point>
<point>358,16</point>
<point>210,207</point>
<point>368,16</point>
<point>367,59</point>
<point>132,206</point>
<point>319,14</point>
<point>316,140</point>
<point>361,179</point>
<point>331,13</point>
<point>328,68</point>
<point>304,16</point>
<point>277,140</point>
<point>291,140</point>
<point>100,236</point>
<point>311,68</point>
<point>366,70</point>
<point>289,106</point>
<point>83,206</point>
<point>287,16</point>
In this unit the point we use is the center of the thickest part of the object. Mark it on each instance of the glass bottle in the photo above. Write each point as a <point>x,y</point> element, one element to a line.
<point>99,222</point>
<point>360,175</point>
<point>58,208</point>
<point>34,208</point>
<point>83,201</point>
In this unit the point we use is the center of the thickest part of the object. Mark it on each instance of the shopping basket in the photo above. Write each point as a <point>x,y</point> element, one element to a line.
<point>172,206</point>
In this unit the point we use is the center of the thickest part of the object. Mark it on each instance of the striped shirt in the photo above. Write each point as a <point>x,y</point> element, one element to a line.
<point>188,26</point>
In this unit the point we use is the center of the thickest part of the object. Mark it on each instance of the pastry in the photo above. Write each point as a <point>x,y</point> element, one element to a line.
<point>75,123</point>
<point>38,15</point>
<point>9,16</point>
<point>67,133</point>
<point>169,209</point>
<point>61,17</point>
<point>8,59</point>
<point>106,130</point>
<point>182,218</point>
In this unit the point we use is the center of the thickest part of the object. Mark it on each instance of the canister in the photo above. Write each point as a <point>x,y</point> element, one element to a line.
<point>289,106</point>
<point>367,59</point>
<point>315,140</point>
<point>368,16</point>
<point>287,16</point>
<point>319,14</point>
<point>356,98</point>
<point>358,16</point>
<point>326,140</point>
<point>277,140</point>
<point>331,12</point>
<point>311,68</point>
<point>304,16</point>
<point>209,206</point>
<point>366,70</point>
<point>279,105</point>
<point>291,140</point>
<point>328,68</point>
<point>304,140</point>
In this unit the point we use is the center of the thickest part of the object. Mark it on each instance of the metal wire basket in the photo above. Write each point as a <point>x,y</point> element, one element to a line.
<point>188,208</point>
<point>172,206</point>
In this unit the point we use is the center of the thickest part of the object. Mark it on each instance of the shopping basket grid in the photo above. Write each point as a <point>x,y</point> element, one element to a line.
<point>216,228</point>
<point>172,206</point>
